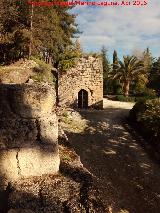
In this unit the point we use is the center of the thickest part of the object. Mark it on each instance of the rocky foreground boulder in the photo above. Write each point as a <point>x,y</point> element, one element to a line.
<point>28,131</point>
<point>32,179</point>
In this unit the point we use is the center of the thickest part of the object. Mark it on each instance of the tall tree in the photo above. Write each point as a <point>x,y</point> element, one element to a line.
<point>115,60</point>
<point>127,71</point>
<point>148,60</point>
<point>105,62</point>
<point>106,68</point>
<point>67,59</point>
<point>53,30</point>
<point>14,30</point>
<point>141,82</point>
<point>116,84</point>
<point>78,47</point>
<point>40,31</point>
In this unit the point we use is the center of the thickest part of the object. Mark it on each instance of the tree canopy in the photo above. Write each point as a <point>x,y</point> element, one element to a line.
<point>106,68</point>
<point>40,31</point>
<point>127,71</point>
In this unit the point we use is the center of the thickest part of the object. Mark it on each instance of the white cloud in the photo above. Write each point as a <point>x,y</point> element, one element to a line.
<point>120,27</point>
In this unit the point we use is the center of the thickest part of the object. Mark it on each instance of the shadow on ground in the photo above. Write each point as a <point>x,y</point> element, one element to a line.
<point>128,179</point>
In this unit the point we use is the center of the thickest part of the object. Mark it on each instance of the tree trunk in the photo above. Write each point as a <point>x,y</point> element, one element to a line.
<point>50,60</point>
<point>31,31</point>
<point>126,88</point>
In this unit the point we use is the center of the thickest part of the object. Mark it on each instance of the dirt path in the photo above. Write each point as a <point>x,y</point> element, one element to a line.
<point>128,179</point>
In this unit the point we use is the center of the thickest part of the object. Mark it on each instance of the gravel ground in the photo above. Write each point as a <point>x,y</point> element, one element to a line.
<point>116,104</point>
<point>129,180</point>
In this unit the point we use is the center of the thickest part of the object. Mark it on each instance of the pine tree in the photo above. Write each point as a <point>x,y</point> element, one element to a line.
<point>14,30</point>
<point>30,30</point>
<point>52,31</point>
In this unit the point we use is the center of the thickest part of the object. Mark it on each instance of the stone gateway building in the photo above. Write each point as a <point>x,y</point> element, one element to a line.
<point>82,86</point>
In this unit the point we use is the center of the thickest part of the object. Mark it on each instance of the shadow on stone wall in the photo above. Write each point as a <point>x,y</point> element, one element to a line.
<point>28,134</point>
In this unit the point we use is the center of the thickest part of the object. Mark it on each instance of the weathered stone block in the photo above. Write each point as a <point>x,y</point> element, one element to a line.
<point>25,162</point>
<point>48,127</point>
<point>8,164</point>
<point>17,132</point>
<point>27,100</point>
<point>39,160</point>
<point>28,131</point>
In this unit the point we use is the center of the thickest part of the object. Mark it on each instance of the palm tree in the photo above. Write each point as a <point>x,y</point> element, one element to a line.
<point>127,71</point>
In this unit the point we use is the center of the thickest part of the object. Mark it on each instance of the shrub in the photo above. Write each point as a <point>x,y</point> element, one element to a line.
<point>146,94</point>
<point>124,98</point>
<point>118,89</point>
<point>147,115</point>
<point>142,98</point>
<point>42,72</point>
<point>138,108</point>
<point>150,93</point>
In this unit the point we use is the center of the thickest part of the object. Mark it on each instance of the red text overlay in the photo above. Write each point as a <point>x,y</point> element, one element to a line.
<point>90,3</point>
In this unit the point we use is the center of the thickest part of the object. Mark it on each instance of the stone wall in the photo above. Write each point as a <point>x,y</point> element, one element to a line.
<point>28,131</point>
<point>87,75</point>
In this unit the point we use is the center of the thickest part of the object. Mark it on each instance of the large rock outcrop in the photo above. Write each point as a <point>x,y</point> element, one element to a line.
<point>28,131</point>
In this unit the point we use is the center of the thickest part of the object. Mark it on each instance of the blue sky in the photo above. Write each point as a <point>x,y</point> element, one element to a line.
<point>127,29</point>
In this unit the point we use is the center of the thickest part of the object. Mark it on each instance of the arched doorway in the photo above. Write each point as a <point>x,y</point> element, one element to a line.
<point>82,99</point>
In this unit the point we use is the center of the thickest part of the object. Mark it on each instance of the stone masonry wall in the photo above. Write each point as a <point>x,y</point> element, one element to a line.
<point>28,131</point>
<point>87,75</point>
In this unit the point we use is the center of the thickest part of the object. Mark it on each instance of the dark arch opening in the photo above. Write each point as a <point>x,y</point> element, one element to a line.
<point>82,99</point>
